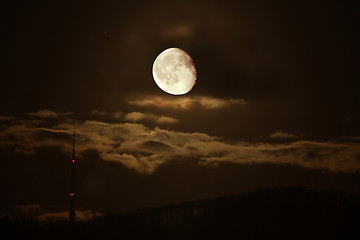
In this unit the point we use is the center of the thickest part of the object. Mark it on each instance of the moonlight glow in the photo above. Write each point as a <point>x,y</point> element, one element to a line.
<point>174,71</point>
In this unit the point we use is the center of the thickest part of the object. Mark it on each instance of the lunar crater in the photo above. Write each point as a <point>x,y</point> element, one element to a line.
<point>174,71</point>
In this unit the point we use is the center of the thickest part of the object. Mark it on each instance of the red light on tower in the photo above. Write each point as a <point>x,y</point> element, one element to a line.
<point>72,187</point>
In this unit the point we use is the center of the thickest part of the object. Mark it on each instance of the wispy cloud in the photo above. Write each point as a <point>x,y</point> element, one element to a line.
<point>98,112</point>
<point>283,135</point>
<point>144,149</point>
<point>350,138</point>
<point>164,119</point>
<point>185,102</point>
<point>45,113</point>
<point>117,115</point>
<point>135,117</point>
<point>309,154</point>
<point>25,138</point>
<point>138,117</point>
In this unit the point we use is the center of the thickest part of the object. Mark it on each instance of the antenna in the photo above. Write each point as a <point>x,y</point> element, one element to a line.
<point>72,187</point>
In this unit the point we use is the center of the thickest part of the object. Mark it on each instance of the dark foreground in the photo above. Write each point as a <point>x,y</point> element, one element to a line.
<point>281,213</point>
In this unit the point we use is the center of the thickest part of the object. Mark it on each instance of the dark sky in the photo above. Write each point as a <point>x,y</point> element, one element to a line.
<point>275,103</point>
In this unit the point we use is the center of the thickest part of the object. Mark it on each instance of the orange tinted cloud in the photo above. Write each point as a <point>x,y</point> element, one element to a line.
<point>185,102</point>
<point>97,112</point>
<point>138,117</point>
<point>49,114</point>
<point>282,135</point>
<point>143,149</point>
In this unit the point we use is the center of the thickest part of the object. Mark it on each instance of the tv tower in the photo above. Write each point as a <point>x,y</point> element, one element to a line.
<point>72,186</point>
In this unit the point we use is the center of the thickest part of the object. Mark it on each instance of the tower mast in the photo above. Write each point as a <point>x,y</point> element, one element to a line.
<point>72,186</point>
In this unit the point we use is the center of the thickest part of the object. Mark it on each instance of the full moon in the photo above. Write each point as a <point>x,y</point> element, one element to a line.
<point>174,71</point>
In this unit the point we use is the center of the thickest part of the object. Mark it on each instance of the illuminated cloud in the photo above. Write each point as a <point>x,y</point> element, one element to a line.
<point>49,114</point>
<point>309,154</point>
<point>143,149</point>
<point>282,135</point>
<point>163,119</point>
<point>97,112</point>
<point>350,138</point>
<point>185,102</point>
<point>26,139</point>
<point>138,117</point>
<point>118,115</point>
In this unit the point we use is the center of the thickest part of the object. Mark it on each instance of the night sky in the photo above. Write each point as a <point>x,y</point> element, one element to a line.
<point>276,102</point>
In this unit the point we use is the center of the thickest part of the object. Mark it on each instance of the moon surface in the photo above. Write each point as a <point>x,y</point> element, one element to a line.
<point>174,71</point>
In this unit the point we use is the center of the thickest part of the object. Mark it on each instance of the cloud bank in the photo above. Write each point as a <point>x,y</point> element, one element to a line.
<point>143,149</point>
<point>185,103</point>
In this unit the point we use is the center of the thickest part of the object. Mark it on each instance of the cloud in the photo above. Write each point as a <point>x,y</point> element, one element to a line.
<point>97,112</point>
<point>350,138</point>
<point>49,114</point>
<point>330,156</point>
<point>163,119</point>
<point>138,117</point>
<point>6,118</point>
<point>144,149</point>
<point>209,102</point>
<point>118,115</point>
<point>155,145</point>
<point>25,138</point>
<point>185,102</point>
<point>283,135</point>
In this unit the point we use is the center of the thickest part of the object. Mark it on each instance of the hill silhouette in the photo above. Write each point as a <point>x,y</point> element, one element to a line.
<point>273,213</point>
